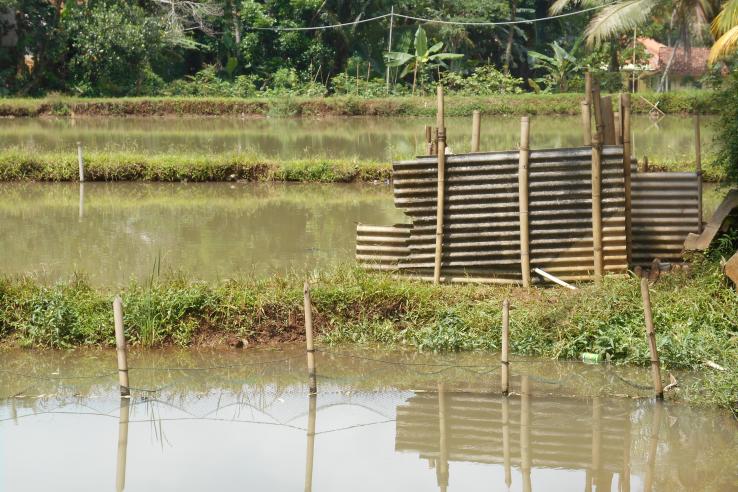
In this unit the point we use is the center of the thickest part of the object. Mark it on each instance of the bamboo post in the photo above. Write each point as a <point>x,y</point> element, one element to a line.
<point>428,140</point>
<point>587,110</point>
<point>523,190</point>
<point>80,162</point>
<point>627,178</point>
<point>434,143</point>
<point>123,418</point>
<point>441,152</point>
<point>608,119</point>
<point>651,334</point>
<point>597,110</point>
<point>476,130</point>
<point>308,308</point>
<point>645,163</point>
<point>506,440</point>
<point>698,169</point>
<point>597,207</point>
<point>312,407</point>
<point>525,461</point>
<point>442,471</point>
<point>618,118</point>
<point>505,348</point>
<point>120,347</point>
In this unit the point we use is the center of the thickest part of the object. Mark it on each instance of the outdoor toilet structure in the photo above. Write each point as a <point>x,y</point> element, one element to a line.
<point>507,213</point>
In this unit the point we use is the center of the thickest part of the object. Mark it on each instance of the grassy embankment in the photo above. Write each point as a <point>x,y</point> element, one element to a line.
<point>513,104</point>
<point>696,314</point>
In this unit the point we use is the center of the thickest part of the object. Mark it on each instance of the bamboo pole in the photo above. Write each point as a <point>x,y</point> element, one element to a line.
<point>476,130</point>
<point>428,140</point>
<point>645,163</point>
<point>442,470</point>
<point>525,461</point>
<point>651,334</point>
<point>587,110</point>
<point>81,163</point>
<point>440,200</point>
<point>608,119</point>
<point>506,440</point>
<point>523,190</point>
<point>120,346</point>
<point>308,309</point>
<point>597,110</point>
<point>434,143</point>
<point>312,407</point>
<point>618,118</point>
<point>597,207</point>
<point>627,178</point>
<point>123,418</point>
<point>698,169</point>
<point>505,348</point>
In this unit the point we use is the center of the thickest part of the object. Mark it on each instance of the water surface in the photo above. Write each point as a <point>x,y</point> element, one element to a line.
<point>381,139</point>
<point>382,420</point>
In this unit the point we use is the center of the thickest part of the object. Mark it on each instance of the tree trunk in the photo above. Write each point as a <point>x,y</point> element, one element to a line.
<point>510,38</point>
<point>614,64</point>
<point>415,76</point>
<point>665,75</point>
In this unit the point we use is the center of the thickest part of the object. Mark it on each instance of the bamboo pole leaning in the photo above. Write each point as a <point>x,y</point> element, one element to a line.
<point>523,205</point>
<point>440,198</point>
<point>476,130</point>
<point>651,335</point>
<point>120,347</point>
<point>308,310</point>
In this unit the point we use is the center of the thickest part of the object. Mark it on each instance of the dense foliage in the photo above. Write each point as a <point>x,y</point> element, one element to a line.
<point>728,129</point>
<point>230,48</point>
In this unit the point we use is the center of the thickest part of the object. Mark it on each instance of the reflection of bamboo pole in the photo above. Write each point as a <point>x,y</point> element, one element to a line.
<point>525,462</point>
<point>440,198</point>
<point>504,349</point>
<point>312,406</point>
<point>120,346</point>
<point>120,476</point>
<point>308,308</point>
<point>476,130</point>
<point>506,440</point>
<point>596,438</point>
<point>81,201</point>
<point>523,190</point>
<point>442,470</point>
<point>651,335</point>
<point>653,444</point>
<point>624,484</point>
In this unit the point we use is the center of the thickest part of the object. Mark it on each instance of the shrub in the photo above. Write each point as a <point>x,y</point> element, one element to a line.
<point>727,136</point>
<point>483,81</point>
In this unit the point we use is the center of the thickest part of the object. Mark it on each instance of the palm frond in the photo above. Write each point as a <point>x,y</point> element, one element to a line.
<point>619,17</point>
<point>725,45</point>
<point>559,5</point>
<point>726,19</point>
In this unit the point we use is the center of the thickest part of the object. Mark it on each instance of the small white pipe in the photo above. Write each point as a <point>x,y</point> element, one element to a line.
<point>554,279</point>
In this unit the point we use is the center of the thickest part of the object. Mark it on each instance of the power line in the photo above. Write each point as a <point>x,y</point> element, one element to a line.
<point>430,21</point>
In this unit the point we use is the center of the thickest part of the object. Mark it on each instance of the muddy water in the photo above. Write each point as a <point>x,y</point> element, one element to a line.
<point>112,232</point>
<point>363,138</point>
<point>381,421</point>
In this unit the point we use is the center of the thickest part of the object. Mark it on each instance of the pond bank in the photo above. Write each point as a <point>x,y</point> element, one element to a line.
<point>514,104</point>
<point>695,312</point>
<point>18,164</point>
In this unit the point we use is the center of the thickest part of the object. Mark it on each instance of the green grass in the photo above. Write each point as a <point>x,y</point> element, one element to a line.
<point>23,165</point>
<point>696,315</point>
<point>514,104</point>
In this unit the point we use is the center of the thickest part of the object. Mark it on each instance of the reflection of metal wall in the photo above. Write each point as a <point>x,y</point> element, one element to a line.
<point>665,211</point>
<point>481,216</point>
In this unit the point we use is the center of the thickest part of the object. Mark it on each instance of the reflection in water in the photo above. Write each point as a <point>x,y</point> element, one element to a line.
<point>112,232</point>
<point>365,138</point>
<point>254,426</point>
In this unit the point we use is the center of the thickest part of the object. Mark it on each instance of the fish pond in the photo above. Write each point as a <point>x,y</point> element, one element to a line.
<point>382,420</point>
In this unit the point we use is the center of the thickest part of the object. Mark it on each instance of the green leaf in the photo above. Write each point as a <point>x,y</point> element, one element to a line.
<point>435,48</point>
<point>397,58</point>
<point>421,42</point>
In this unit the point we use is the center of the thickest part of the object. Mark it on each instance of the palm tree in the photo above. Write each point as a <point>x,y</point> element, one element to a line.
<point>423,55</point>
<point>725,29</point>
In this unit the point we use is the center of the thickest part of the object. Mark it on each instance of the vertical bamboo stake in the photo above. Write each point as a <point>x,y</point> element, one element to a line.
<point>505,349</point>
<point>525,462</point>
<point>476,130</point>
<point>312,406</point>
<point>442,439</point>
<point>597,207</point>
<point>434,143</point>
<point>587,110</point>
<point>625,109</point>
<point>428,140</point>
<point>506,440</point>
<point>523,188</point>
<point>597,110</point>
<point>645,163</point>
<point>618,119</point>
<point>120,346</point>
<point>698,169</point>
<point>651,334</point>
<point>80,162</point>
<point>123,418</point>
<point>441,152</point>
<point>608,119</point>
<point>308,308</point>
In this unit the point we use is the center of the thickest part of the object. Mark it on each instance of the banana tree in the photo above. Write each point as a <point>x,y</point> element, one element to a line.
<point>423,55</point>
<point>559,67</point>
